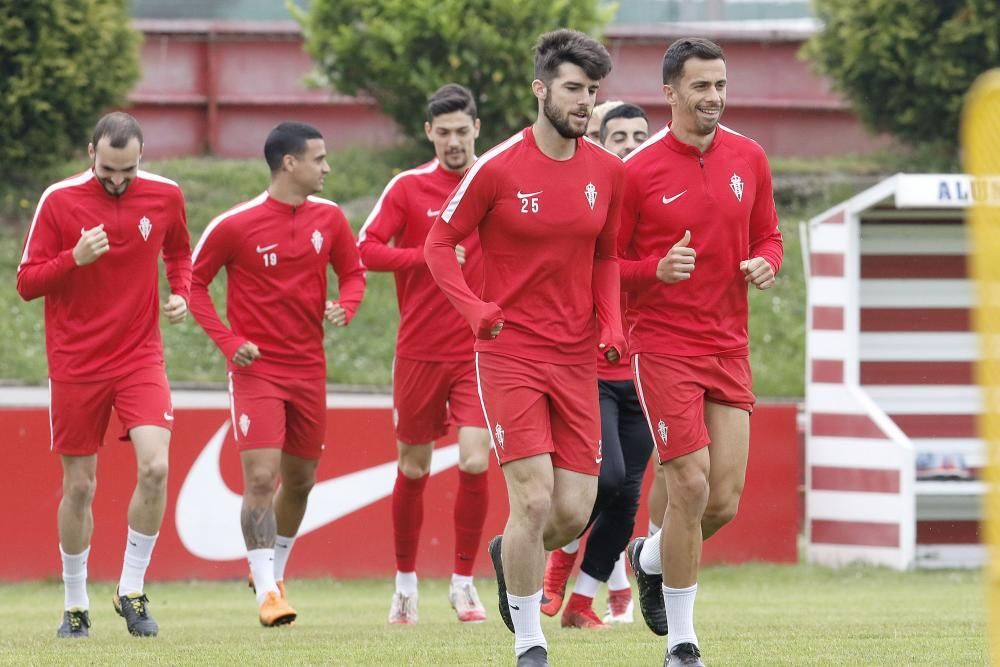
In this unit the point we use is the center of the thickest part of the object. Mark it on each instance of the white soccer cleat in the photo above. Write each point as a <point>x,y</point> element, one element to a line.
<point>403,610</point>
<point>620,607</point>
<point>465,601</point>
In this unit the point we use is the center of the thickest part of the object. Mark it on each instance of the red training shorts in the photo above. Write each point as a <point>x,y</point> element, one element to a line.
<point>533,407</point>
<point>428,396</point>
<point>673,391</point>
<point>287,414</point>
<point>79,411</point>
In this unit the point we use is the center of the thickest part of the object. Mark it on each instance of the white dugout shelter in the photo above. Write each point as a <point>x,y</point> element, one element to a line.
<point>890,374</point>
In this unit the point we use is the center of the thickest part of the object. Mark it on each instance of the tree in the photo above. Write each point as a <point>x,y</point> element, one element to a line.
<point>906,64</point>
<point>62,63</point>
<point>400,51</point>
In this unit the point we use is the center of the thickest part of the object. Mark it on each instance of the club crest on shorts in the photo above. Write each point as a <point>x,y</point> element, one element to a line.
<point>661,428</point>
<point>591,192</point>
<point>736,183</point>
<point>317,240</point>
<point>244,424</point>
<point>499,435</point>
<point>145,227</point>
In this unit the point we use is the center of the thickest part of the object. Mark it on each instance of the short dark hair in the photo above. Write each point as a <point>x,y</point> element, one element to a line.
<point>288,138</point>
<point>449,98</point>
<point>569,46</point>
<point>625,110</point>
<point>681,50</point>
<point>119,127</point>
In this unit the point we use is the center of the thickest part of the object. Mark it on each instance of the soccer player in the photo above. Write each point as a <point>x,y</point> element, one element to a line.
<point>596,116</point>
<point>696,189</point>
<point>434,373</point>
<point>92,251</point>
<point>626,448</point>
<point>276,249</point>
<point>546,203</point>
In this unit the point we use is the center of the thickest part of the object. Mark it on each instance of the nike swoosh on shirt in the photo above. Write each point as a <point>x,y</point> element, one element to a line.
<point>267,247</point>
<point>433,214</point>
<point>525,195</point>
<point>216,534</point>
<point>169,417</point>
<point>667,200</point>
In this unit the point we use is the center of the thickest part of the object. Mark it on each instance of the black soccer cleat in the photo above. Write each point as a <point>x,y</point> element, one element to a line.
<point>75,624</point>
<point>134,608</point>
<point>536,656</point>
<point>494,550</point>
<point>684,655</point>
<point>650,591</point>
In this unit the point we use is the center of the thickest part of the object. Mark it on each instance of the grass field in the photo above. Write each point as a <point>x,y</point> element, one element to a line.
<point>747,616</point>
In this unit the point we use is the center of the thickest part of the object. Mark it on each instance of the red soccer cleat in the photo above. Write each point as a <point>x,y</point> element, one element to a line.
<point>557,570</point>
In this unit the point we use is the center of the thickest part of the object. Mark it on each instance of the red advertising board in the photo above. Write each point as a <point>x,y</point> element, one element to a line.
<point>347,531</point>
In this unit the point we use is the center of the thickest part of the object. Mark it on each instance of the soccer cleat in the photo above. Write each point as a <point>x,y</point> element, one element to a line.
<point>275,611</point>
<point>580,614</point>
<point>134,608</point>
<point>465,601</point>
<point>253,587</point>
<point>75,624</point>
<point>620,607</point>
<point>403,610</point>
<point>684,655</point>
<point>557,570</point>
<point>650,591</point>
<point>494,549</point>
<point>536,656</point>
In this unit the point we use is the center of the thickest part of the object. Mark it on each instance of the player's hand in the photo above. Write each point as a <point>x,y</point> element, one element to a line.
<point>175,309</point>
<point>610,353</point>
<point>460,254</point>
<point>678,263</point>
<point>92,244</point>
<point>246,355</point>
<point>335,314</point>
<point>495,329</point>
<point>490,322</point>
<point>757,271</point>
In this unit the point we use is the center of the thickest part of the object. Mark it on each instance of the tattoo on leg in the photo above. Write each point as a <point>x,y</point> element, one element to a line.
<point>259,527</point>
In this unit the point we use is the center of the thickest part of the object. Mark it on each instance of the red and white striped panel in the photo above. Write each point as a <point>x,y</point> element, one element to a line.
<point>860,476</point>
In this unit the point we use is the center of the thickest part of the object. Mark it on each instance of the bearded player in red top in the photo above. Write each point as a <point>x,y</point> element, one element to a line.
<point>546,204</point>
<point>696,189</point>
<point>92,252</point>
<point>277,249</point>
<point>434,373</point>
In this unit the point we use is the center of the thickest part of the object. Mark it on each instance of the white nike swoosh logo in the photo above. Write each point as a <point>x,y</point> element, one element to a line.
<point>527,194</point>
<point>433,214</point>
<point>216,534</point>
<point>267,247</point>
<point>667,201</point>
<point>168,417</point>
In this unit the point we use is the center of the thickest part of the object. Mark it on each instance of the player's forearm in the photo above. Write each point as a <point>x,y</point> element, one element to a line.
<point>607,301</point>
<point>439,251</point>
<point>179,273</point>
<point>637,274</point>
<point>204,313</point>
<point>381,257</point>
<point>351,289</point>
<point>771,248</point>
<point>37,280</point>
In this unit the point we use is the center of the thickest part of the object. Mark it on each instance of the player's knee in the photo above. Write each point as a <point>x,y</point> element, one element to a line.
<point>534,505</point>
<point>79,490</point>
<point>299,485</point>
<point>474,463</point>
<point>414,468</point>
<point>259,481</point>
<point>153,474</point>
<point>689,491</point>
<point>718,514</point>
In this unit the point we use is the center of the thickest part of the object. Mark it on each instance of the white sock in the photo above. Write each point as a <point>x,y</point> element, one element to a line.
<point>526,612</point>
<point>460,580</point>
<point>586,585</point>
<point>652,528</point>
<point>649,557</point>
<point>262,568</point>
<point>138,552</point>
<point>680,615</point>
<point>406,582</point>
<point>572,547</point>
<point>282,550</point>
<point>618,581</point>
<point>74,574</point>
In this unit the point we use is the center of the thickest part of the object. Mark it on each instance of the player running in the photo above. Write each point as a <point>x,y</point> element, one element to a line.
<point>276,249</point>
<point>92,251</point>
<point>434,373</point>
<point>546,204</point>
